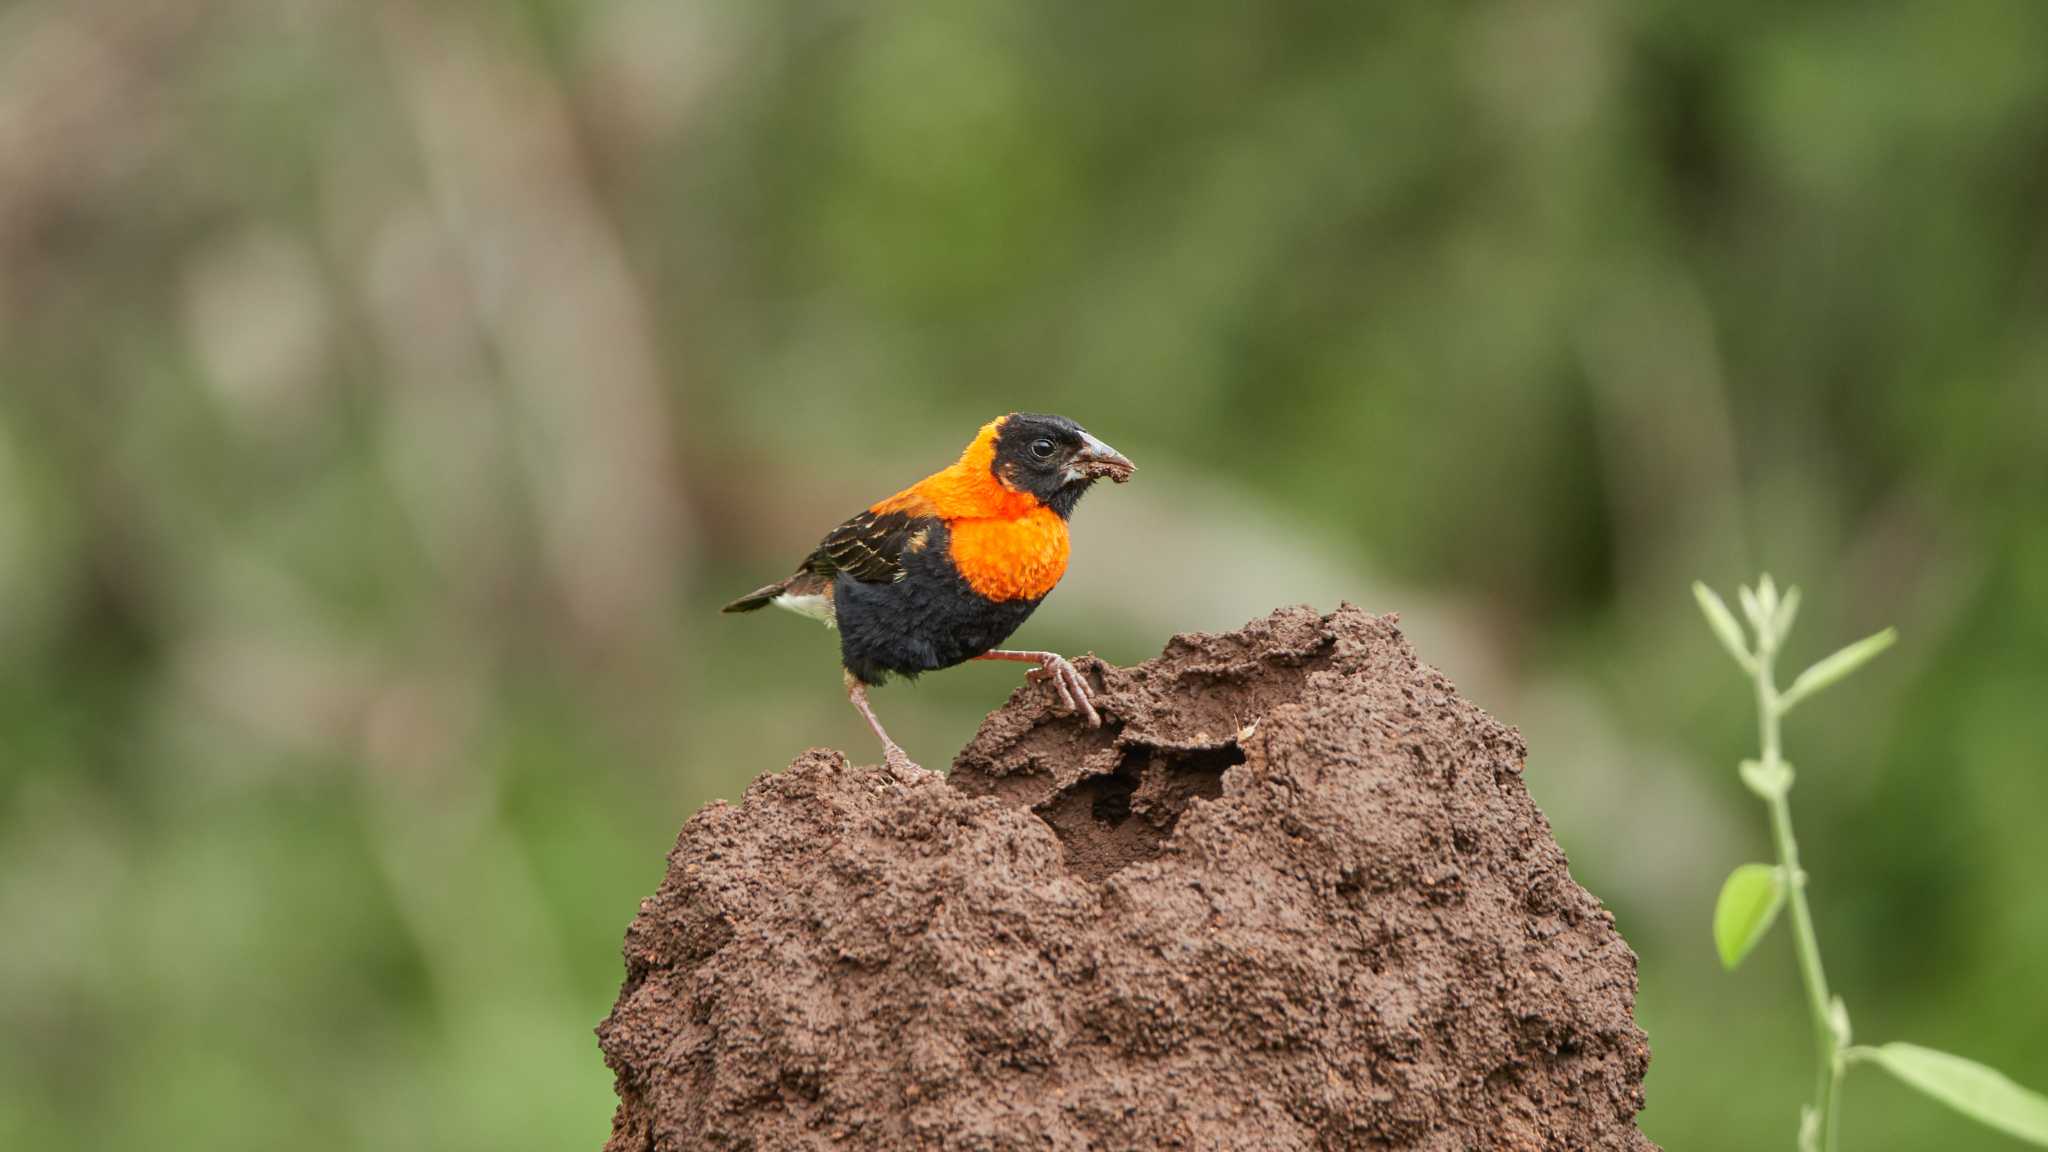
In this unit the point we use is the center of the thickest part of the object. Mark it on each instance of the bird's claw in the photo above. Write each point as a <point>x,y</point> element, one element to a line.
<point>897,759</point>
<point>1068,684</point>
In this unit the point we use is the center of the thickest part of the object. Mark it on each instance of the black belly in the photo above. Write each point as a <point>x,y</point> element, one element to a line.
<point>930,619</point>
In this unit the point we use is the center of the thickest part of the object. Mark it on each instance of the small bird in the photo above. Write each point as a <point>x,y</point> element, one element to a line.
<point>943,571</point>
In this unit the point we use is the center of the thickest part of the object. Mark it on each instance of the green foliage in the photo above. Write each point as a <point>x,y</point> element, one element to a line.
<point>1767,781</point>
<point>1832,669</point>
<point>1753,893</point>
<point>1747,907</point>
<point>1980,1093</point>
<point>1723,623</point>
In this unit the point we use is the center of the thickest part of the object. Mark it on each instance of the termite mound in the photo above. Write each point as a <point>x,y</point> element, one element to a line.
<point>1291,895</point>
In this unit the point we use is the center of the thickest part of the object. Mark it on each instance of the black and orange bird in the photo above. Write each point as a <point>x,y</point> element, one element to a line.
<point>943,571</point>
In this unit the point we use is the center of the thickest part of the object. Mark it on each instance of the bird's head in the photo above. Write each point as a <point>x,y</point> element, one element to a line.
<point>1053,459</point>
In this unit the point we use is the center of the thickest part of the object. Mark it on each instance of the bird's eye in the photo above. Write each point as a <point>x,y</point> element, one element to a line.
<point>1043,449</point>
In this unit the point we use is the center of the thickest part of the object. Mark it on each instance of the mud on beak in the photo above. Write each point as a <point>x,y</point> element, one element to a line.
<point>1097,460</point>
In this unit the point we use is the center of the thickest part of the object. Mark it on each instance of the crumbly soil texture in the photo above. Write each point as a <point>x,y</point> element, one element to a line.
<point>1291,895</point>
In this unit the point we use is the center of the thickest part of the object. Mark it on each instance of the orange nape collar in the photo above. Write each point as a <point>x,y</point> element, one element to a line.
<point>966,488</point>
<point>1005,543</point>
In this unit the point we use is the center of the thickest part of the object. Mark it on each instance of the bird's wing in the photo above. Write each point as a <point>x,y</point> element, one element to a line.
<point>871,546</point>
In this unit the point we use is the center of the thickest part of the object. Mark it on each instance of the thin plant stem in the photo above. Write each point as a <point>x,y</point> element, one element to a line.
<point>1807,943</point>
<point>1831,1126</point>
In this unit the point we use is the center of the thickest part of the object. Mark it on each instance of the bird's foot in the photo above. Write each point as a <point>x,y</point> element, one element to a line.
<point>1068,683</point>
<point>898,760</point>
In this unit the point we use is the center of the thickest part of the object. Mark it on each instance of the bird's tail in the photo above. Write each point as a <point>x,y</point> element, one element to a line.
<point>759,598</point>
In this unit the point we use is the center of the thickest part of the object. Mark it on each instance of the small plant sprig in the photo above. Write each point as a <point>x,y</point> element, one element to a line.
<point>1753,894</point>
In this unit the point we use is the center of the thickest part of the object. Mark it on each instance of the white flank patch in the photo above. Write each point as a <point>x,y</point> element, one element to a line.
<point>818,607</point>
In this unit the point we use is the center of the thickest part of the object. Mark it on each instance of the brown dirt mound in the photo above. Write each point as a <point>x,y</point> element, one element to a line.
<point>1291,895</point>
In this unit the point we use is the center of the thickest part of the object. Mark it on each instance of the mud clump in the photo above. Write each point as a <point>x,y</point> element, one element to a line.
<point>1291,895</point>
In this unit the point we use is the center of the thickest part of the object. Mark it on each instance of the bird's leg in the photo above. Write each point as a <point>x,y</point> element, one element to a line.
<point>892,752</point>
<point>1065,678</point>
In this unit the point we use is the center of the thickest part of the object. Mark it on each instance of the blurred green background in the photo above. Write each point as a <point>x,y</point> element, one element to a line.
<point>390,393</point>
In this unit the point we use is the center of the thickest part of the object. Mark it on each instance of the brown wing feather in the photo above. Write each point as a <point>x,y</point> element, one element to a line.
<point>870,547</point>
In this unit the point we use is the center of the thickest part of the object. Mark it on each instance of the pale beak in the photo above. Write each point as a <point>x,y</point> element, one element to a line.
<point>1096,460</point>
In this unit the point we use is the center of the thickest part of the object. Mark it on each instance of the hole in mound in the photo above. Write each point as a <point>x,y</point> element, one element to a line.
<point>1110,797</point>
<point>1112,821</point>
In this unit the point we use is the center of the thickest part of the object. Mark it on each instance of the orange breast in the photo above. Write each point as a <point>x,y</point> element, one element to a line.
<point>1018,558</point>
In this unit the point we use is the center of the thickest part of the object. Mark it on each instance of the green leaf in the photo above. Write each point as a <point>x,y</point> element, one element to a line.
<point>1749,902</point>
<point>1723,623</point>
<point>1754,609</point>
<point>1768,783</point>
<point>1832,669</point>
<point>1980,1093</point>
<point>1788,611</point>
